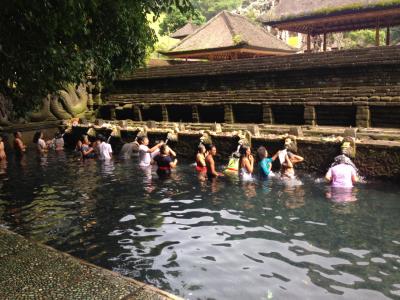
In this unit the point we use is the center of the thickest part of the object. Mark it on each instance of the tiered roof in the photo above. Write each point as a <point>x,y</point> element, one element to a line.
<point>228,36</point>
<point>322,16</point>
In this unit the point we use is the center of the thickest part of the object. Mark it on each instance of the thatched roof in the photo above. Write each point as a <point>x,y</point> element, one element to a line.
<point>184,31</point>
<point>228,32</point>
<point>351,14</point>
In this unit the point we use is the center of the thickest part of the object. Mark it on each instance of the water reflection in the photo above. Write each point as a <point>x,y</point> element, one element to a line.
<point>212,238</point>
<point>341,195</point>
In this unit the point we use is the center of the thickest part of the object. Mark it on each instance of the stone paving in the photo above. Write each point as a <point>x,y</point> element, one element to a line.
<point>29,270</point>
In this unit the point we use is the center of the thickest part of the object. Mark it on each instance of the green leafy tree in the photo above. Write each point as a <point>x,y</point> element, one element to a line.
<point>209,8</point>
<point>45,43</point>
<point>176,19</point>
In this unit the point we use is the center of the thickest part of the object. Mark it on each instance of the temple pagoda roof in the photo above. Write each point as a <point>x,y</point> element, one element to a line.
<point>228,36</point>
<point>323,16</point>
<point>184,31</point>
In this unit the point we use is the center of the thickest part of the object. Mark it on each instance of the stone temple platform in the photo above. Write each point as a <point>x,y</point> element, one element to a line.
<point>29,270</point>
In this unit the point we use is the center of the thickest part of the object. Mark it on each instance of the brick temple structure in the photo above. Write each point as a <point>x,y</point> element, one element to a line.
<point>344,88</point>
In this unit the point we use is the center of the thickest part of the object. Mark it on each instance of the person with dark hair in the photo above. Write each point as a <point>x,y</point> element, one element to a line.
<point>41,145</point>
<point>287,167</point>
<point>246,163</point>
<point>19,146</point>
<point>58,141</point>
<point>265,162</point>
<point>86,149</point>
<point>165,161</point>
<point>201,166</point>
<point>146,153</point>
<point>105,150</point>
<point>210,163</point>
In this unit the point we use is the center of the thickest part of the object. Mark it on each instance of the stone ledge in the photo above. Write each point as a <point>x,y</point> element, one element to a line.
<point>31,270</point>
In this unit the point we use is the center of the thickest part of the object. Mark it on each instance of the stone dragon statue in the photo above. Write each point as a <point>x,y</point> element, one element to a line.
<point>70,102</point>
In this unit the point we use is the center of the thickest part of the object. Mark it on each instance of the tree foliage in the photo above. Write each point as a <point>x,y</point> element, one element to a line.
<point>176,19</point>
<point>209,8</point>
<point>45,43</point>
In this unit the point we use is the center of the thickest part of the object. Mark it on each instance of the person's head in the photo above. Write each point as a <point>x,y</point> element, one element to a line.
<point>201,149</point>
<point>18,134</point>
<point>164,149</point>
<point>262,152</point>
<point>38,135</point>
<point>341,159</point>
<point>212,150</point>
<point>143,140</point>
<point>244,151</point>
<point>85,139</point>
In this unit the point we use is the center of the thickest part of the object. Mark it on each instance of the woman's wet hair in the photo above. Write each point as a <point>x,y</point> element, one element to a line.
<point>262,152</point>
<point>36,137</point>
<point>163,149</point>
<point>201,148</point>
<point>243,149</point>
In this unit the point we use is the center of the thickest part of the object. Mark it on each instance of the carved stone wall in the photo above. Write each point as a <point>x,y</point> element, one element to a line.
<point>344,88</point>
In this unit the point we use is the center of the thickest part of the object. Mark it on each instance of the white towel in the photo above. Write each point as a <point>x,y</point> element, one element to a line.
<point>282,156</point>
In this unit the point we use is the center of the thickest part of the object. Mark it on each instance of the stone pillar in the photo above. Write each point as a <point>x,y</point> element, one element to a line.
<point>137,113</point>
<point>268,117</point>
<point>195,114</point>
<point>228,114</point>
<point>113,113</point>
<point>309,115</point>
<point>363,116</point>
<point>164,113</point>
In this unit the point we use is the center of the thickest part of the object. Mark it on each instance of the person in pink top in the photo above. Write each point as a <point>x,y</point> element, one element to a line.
<point>342,173</point>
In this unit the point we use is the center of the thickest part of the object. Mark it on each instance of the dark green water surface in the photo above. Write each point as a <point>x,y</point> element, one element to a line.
<point>211,240</point>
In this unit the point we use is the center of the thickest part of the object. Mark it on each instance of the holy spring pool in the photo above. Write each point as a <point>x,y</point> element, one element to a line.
<point>221,239</point>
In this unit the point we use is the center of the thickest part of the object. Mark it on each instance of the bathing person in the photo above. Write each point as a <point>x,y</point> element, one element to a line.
<point>86,149</point>
<point>246,163</point>
<point>165,161</point>
<point>265,162</point>
<point>41,145</point>
<point>287,167</point>
<point>58,141</point>
<point>105,150</point>
<point>3,156</point>
<point>210,163</point>
<point>201,166</point>
<point>146,153</point>
<point>342,173</point>
<point>19,146</point>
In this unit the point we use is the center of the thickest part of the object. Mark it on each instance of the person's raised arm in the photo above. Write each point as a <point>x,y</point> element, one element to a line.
<point>249,164</point>
<point>275,156</point>
<point>297,158</point>
<point>288,162</point>
<point>171,152</point>
<point>155,148</point>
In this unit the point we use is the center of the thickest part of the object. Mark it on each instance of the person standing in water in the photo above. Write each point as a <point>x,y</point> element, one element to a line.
<point>201,166</point>
<point>210,163</point>
<point>287,167</point>
<point>246,163</point>
<point>19,146</point>
<point>265,162</point>
<point>41,145</point>
<point>105,150</point>
<point>146,153</point>
<point>342,173</point>
<point>165,161</point>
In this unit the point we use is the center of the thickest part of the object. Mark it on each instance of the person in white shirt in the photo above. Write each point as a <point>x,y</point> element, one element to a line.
<point>145,153</point>
<point>40,143</point>
<point>105,150</point>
